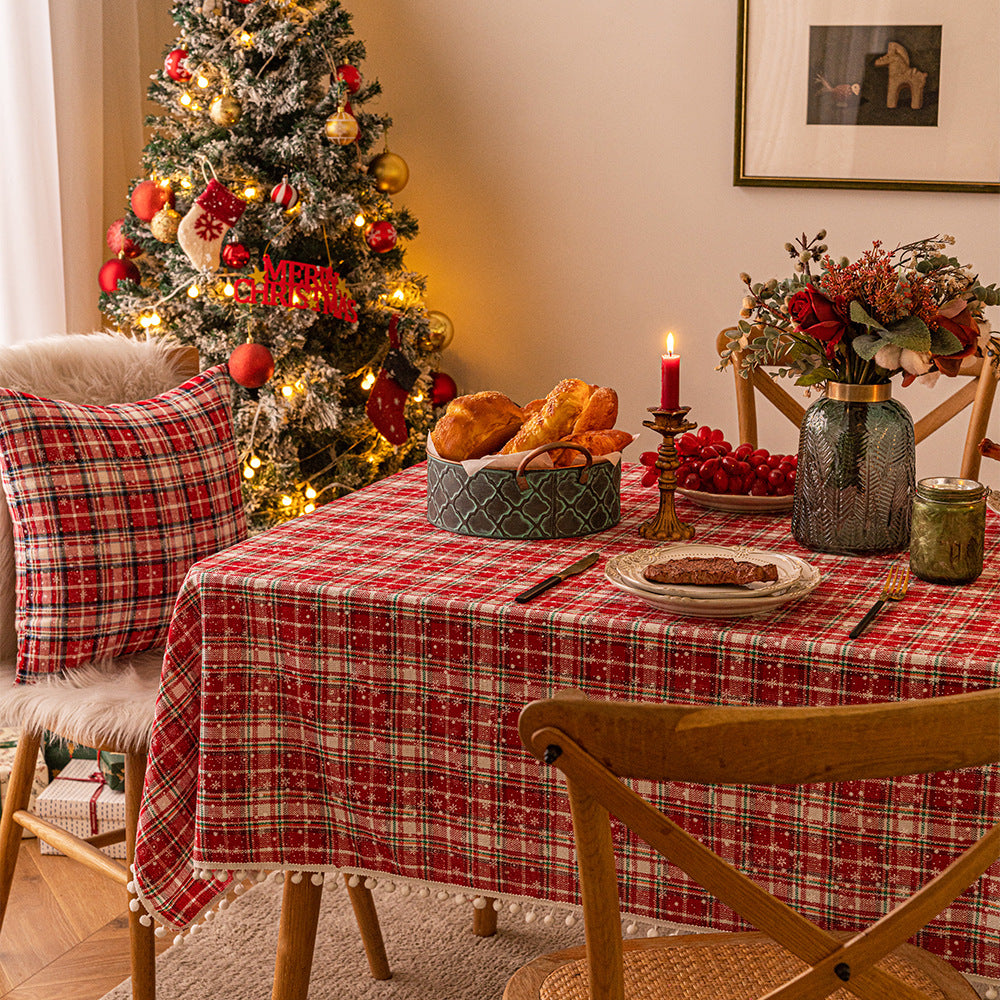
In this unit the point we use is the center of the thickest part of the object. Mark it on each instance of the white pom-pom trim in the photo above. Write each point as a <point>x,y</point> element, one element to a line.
<point>316,878</point>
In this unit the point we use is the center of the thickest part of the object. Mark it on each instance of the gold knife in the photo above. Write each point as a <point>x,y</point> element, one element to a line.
<point>578,567</point>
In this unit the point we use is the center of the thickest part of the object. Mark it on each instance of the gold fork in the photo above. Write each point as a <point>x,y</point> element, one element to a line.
<point>896,582</point>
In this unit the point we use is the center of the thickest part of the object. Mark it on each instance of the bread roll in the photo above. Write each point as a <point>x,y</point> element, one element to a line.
<point>600,411</point>
<point>476,425</point>
<point>596,442</point>
<point>554,420</point>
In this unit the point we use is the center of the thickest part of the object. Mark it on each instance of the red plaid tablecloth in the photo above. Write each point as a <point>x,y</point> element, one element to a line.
<point>343,692</point>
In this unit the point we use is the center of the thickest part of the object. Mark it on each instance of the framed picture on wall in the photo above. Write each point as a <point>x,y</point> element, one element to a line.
<point>893,94</point>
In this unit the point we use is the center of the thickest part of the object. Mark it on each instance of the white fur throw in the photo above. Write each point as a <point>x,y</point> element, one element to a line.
<point>109,704</point>
<point>99,368</point>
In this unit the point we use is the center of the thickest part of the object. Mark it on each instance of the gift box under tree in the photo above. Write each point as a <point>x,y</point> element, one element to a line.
<point>8,749</point>
<point>81,802</point>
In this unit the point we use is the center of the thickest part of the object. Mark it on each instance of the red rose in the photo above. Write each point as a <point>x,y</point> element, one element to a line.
<point>817,317</point>
<point>963,325</point>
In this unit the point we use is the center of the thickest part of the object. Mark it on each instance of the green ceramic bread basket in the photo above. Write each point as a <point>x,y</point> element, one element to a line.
<point>525,503</point>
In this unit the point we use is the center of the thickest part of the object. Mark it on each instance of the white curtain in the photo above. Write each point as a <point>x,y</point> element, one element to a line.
<point>71,121</point>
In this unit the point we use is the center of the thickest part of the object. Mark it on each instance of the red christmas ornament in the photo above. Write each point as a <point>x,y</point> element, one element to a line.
<point>350,76</point>
<point>381,236</point>
<point>284,194</point>
<point>251,365</point>
<point>117,270</point>
<point>148,198</point>
<point>235,255</point>
<point>119,243</point>
<point>443,389</point>
<point>174,65</point>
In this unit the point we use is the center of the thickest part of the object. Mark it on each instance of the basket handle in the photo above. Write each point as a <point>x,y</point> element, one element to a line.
<point>522,479</point>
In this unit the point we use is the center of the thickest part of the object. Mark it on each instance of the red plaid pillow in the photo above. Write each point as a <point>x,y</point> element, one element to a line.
<point>110,506</point>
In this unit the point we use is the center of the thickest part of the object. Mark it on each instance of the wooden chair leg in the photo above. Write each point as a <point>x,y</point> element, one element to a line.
<point>296,938</point>
<point>371,933</point>
<point>143,951</point>
<point>484,921</point>
<point>22,777</point>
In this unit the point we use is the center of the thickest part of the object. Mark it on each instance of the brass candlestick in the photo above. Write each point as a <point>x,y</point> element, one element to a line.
<point>666,525</point>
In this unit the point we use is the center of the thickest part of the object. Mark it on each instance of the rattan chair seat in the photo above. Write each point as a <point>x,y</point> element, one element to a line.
<point>734,967</point>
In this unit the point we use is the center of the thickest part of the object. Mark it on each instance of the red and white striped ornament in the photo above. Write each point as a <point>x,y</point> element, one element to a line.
<point>284,194</point>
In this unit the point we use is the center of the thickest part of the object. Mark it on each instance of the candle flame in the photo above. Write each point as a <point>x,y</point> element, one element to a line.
<point>670,343</point>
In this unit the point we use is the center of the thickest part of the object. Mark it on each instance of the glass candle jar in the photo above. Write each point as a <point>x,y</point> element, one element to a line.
<point>948,530</point>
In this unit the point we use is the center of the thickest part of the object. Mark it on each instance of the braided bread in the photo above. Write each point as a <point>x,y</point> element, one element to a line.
<point>554,420</point>
<point>596,442</point>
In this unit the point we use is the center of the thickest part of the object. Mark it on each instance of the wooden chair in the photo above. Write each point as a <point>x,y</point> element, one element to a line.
<point>111,708</point>
<point>595,744</point>
<point>978,389</point>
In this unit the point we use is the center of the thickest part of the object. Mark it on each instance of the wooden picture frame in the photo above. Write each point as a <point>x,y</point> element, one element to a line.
<point>890,94</point>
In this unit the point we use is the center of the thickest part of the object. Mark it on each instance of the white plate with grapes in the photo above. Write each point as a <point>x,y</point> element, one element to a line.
<point>738,502</point>
<point>710,466</point>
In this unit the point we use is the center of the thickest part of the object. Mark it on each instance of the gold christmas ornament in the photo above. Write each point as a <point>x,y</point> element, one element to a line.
<point>225,110</point>
<point>390,172</point>
<point>164,224</point>
<point>341,128</point>
<point>440,330</point>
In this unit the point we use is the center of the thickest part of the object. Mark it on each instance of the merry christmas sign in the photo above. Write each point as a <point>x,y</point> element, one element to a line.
<point>294,285</point>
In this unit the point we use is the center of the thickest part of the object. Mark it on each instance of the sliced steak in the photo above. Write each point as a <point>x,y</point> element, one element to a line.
<point>710,569</point>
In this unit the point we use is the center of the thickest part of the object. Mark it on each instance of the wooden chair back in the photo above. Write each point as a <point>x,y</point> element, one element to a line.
<point>595,744</point>
<point>979,385</point>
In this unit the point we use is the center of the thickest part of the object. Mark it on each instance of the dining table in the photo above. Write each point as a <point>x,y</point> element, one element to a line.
<point>340,693</point>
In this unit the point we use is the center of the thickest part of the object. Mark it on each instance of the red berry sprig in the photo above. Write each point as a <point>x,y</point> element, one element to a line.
<point>709,463</point>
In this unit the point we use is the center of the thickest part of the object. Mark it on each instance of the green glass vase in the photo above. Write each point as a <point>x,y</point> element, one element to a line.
<point>856,472</point>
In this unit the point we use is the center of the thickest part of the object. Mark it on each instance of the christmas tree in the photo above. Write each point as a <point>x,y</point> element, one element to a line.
<point>263,232</point>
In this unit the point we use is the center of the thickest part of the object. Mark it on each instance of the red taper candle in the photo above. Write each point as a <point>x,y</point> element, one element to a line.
<point>670,377</point>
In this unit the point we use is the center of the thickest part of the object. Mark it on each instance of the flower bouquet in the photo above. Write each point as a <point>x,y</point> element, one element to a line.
<point>849,329</point>
<point>913,310</point>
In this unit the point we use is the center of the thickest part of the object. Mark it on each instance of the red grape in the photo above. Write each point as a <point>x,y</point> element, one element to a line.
<point>709,462</point>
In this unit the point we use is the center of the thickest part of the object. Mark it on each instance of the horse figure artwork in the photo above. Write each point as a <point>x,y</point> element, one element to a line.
<point>902,75</point>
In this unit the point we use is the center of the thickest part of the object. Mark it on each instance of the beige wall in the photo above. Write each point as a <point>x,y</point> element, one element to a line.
<point>571,168</point>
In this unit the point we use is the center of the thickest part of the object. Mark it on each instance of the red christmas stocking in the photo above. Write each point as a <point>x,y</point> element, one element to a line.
<point>387,401</point>
<point>203,229</point>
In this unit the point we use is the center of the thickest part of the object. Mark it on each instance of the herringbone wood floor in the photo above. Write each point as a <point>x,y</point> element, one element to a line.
<point>65,934</point>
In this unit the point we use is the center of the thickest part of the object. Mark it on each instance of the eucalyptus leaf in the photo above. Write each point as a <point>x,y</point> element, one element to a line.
<point>815,376</point>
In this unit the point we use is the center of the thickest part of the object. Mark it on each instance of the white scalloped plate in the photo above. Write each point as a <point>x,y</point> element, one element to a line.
<point>737,502</point>
<point>728,608</point>
<point>630,566</point>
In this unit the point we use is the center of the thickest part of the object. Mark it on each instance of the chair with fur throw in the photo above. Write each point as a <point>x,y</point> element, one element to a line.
<point>107,699</point>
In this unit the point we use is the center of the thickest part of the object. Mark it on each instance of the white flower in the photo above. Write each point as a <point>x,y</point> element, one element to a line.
<point>888,357</point>
<point>915,362</point>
